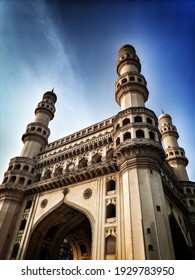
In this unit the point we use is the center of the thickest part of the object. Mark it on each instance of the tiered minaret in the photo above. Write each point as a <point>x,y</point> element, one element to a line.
<point>139,155</point>
<point>37,132</point>
<point>131,90</point>
<point>175,155</point>
<point>20,172</point>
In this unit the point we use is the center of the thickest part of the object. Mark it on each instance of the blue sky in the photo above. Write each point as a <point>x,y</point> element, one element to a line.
<point>73,46</point>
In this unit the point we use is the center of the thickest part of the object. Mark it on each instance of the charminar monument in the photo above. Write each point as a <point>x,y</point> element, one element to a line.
<point>116,190</point>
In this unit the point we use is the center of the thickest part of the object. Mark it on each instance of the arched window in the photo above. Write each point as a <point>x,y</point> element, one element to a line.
<point>110,186</point>
<point>117,141</point>
<point>96,158</point>
<point>47,174</point>
<point>82,163</point>
<point>188,191</point>
<point>176,153</point>
<point>138,119</point>
<point>5,180</point>
<point>26,168</point>
<point>139,80</point>
<point>152,135</point>
<point>191,201</point>
<point>126,121</point>
<point>13,179</point>
<point>118,126</point>
<point>28,204</point>
<point>132,79</point>
<point>109,154</point>
<point>58,171</point>
<point>149,120</point>
<point>15,251</point>
<point>39,129</point>
<point>150,247</point>
<point>29,182</point>
<point>17,166</point>
<point>21,181</point>
<point>22,224</point>
<point>124,81</point>
<point>10,167</point>
<point>37,177</point>
<point>139,133</point>
<point>110,211</point>
<point>126,135</point>
<point>110,245</point>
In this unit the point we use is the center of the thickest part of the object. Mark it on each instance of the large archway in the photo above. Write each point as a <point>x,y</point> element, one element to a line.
<point>65,233</point>
<point>181,248</point>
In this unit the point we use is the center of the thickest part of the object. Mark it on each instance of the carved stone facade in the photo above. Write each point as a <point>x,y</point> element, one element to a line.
<point>109,191</point>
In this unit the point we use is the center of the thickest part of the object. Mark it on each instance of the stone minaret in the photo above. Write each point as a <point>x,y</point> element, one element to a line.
<point>145,231</point>
<point>20,172</point>
<point>175,155</point>
<point>131,90</point>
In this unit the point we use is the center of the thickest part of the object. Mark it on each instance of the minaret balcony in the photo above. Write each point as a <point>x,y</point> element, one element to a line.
<point>131,87</point>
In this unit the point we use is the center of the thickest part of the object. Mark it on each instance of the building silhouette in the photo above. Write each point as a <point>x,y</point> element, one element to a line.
<point>109,191</point>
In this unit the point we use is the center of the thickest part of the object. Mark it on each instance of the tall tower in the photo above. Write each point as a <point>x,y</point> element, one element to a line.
<point>175,155</point>
<point>20,172</point>
<point>139,156</point>
<point>131,90</point>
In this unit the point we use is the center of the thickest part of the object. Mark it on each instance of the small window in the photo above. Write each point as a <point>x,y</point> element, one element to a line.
<point>110,245</point>
<point>15,251</point>
<point>158,208</point>
<point>188,191</point>
<point>140,133</point>
<point>148,230</point>
<point>138,119</point>
<point>117,141</point>
<point>5,180</point>
<point>152,135</point>
<point>39,129</point>
<point>139,80</point>
<point>111,186</point>
<point>28,204</point>
<point>17,167</point>
<point>37,177</point>
<point>22,224</point>
<point>132,79</point>
<point>82,163</point>
<point>110,211</point>
<point>150,247</point>
<point>10,167</point>
<point>47,174</point>
<point>118,126</point>
<point>13,179</point>
<point>21,181</point>
<point>126,136</point>
<point>149,120</point>
<point>126,121</point>
<point>26,168</point>
<point>124,81</point>
<point>96,159</point>
<point>191,201</point>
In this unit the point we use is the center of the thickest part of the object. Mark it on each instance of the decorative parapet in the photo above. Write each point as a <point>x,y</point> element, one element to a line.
<point>73,177</point>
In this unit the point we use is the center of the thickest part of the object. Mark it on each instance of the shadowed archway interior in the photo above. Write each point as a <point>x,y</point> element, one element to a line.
<point>63,229</point>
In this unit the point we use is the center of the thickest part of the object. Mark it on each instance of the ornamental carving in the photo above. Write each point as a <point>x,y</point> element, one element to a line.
<point>87,193</point>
